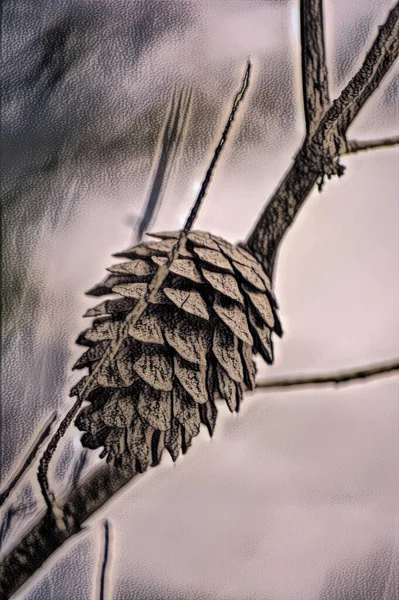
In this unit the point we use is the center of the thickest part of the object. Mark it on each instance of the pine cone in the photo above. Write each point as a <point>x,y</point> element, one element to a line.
<point>192,346</point>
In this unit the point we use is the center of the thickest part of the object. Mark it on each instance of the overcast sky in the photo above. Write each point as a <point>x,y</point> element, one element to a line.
<point>297,497</point>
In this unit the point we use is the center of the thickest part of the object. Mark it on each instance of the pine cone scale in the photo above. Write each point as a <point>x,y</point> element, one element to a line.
<point>192,345</point>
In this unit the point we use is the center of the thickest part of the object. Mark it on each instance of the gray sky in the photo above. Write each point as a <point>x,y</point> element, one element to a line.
<point>297,496</point>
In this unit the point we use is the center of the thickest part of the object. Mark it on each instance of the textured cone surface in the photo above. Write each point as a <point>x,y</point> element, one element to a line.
<point>191,346</point>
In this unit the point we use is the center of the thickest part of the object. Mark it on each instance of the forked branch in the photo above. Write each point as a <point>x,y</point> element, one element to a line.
<point>319,153</point>
<point>314,157</point>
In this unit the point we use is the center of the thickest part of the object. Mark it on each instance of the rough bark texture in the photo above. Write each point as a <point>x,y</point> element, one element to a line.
<point>317,155</point>
<point>317,158</point>
<point>47,535</point>
<point>314,70</point>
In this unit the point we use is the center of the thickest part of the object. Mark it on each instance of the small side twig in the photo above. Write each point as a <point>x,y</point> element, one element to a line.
<point>335,378</point>
<point>30,457</point>
<point>48,453</point>
<point>105,560</point>
<point>353,146</point>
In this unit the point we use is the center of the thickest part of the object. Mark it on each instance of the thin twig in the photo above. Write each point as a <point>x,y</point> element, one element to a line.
<point>353,146</point>
<point>104,561</point>
<point>44,462</point>
<point>335,378</point>
<point>30,457</point>
<point>313,61</point>
<point>205,183</point>
<point>89,383</point>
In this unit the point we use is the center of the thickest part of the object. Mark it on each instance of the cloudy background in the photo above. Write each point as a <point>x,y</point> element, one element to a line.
<point>297,497</point>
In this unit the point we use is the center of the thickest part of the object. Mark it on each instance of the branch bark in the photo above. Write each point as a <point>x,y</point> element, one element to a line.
<point>323,148</point>
<point>318,153</point>
<point>46,535</point>
<point>313,64</point>
<point>353,146</point>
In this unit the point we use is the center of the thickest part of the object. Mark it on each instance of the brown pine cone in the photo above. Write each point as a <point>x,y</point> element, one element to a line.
<point>193,345</point>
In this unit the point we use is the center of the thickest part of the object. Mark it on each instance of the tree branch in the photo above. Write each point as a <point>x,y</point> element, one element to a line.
<point>239,97</point>
<point>46,536</point>
<point>26,463</point>
<point>353,146</point>
<point>379,59</point>
<point>313,60</point>
<point>318,152</point>
<point>336,378</point>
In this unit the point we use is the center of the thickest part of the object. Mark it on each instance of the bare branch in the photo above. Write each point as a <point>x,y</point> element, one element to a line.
<point>206,181</point>
<point>353,146</point>
<point>316,154</point>
<point>314,69</point>
<point>319,152</point>
<point>46,535</point>
<point>379,59</point>
<point>104,561</point>
<point>49,451</point>
<point>30,457</point>
<point>335,378</point>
